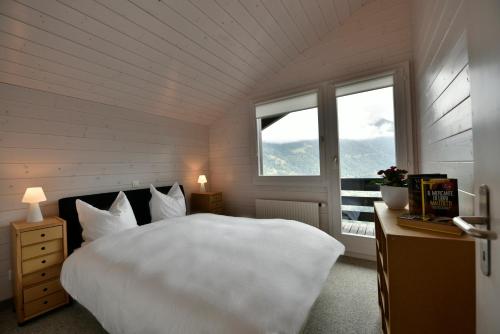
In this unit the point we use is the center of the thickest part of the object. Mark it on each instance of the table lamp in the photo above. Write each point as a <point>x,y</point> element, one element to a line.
<point>33,196</point>
<point>202,179</point>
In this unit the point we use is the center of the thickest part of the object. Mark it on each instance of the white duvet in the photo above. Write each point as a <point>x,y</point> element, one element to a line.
<point>203,273</point>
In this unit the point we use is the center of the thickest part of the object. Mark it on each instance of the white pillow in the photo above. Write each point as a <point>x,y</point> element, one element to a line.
<point>97,223</point>
<point>164,206</point>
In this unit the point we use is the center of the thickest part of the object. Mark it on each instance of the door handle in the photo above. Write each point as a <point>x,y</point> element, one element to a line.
<point>466,224</point>
<point>484,232</point>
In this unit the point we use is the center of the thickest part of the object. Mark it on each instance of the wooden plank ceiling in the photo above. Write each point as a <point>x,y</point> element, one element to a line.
<point>186,59</point>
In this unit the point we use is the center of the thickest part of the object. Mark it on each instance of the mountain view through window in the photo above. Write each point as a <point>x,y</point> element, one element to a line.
<point>290,145</point>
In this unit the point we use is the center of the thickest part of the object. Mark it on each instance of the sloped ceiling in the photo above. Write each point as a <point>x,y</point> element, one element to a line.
<point>186,59</point>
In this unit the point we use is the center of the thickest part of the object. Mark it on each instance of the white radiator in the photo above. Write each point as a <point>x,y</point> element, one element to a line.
<point>305,212</point>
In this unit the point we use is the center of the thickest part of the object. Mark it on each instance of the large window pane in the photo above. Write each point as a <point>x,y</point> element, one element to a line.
<point>290,144</point>
<point>366,131</point>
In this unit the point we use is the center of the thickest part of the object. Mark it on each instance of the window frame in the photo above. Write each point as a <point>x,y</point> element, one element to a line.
<point>259,179</point>
<point>406,157</point>
<point>327,117</point>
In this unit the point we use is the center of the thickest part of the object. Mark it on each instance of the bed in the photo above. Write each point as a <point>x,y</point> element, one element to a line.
<point>201,273</point>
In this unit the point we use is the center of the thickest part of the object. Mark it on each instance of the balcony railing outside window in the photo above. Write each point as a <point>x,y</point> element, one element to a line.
<point>358,195</point>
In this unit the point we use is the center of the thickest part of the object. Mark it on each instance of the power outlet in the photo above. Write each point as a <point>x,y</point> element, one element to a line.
<point>136,184</point>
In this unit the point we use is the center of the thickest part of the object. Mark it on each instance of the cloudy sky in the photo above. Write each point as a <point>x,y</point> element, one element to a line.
<point>361,116</point>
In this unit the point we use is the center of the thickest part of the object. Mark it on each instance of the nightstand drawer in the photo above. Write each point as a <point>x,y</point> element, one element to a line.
<point>41,235</point>
<point>44,303</point>
<point>41,290</point>
<point>216,198</point>
<point>42,275</point>
<point>42,248</point>
<point>41,262</point>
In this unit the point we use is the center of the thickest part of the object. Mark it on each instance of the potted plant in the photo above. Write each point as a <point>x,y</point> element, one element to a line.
<point>394,187</point>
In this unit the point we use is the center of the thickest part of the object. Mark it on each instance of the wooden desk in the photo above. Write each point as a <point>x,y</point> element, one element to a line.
<point>426,280</point>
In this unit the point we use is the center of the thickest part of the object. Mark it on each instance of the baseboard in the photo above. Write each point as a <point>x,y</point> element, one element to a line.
<point>361,256</point>
<point>7,303</point>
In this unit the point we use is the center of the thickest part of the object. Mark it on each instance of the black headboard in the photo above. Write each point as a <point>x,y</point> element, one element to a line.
<point>138,198</point>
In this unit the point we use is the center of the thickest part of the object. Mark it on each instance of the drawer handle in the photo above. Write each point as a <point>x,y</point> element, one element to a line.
<point>43,248</point>
<point>43,274</point>
<point>42,235</point>
<point>43,261</point>
<point>45,289</point>
<point>45,302</point>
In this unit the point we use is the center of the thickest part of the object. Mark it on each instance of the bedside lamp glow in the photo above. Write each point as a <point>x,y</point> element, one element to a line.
<point>202,179</point>
<point>33,196</point>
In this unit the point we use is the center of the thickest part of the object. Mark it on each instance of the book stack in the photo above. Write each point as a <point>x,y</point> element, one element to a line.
<point>433,202</point>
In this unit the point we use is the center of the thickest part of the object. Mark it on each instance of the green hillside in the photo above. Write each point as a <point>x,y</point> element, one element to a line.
<point>359,158</point>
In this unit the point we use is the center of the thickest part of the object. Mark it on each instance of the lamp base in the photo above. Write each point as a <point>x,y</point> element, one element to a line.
<point>34,213</point>
<point>202,187</point>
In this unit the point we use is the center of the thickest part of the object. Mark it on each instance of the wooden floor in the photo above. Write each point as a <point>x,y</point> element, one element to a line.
<point>358,228</point>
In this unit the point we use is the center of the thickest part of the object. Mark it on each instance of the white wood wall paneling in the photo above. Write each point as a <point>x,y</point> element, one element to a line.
<point>457,91</point>
<point>446,30</point>
<point>104,75</point>
<point>90,91</point>
<point>455,148</point>
<point>152,41</point>
<point>317,16</point>
<point>184,59</point>
<point>24,30</point>
<point>81,123</point>
<point>238,39</point>
<point>186,49</point>
<point>296,11</point>
<point>342,9</point>
<point>254,68</point>
<point>10,171</point>
<point>452,123</point>
<point>424,38</point>
<point>65,37</point>
<point>457,60</point>
<point>269,24</point>
<point>453,49</point>
<point>82,73</point>
<point>379,41</point>
<point>327,8</point>
<point>188,10</point>
<point>93,34</point>
<point>280,15</point>
<point>237,21</point>
<point>113,87</point>
<point>443,93</point>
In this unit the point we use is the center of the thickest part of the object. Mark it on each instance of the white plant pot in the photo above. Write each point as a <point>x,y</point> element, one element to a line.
<point>396,198</point>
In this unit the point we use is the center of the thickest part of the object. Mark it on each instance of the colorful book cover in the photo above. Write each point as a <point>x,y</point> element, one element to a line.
<point>415,193</point>
<point>439,198</point>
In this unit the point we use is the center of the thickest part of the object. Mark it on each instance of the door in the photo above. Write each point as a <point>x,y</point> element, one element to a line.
<point>484,50</point>
<point>370,131</point>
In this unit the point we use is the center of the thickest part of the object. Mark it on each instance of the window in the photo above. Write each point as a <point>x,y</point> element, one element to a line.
<point>367,144</point>
<point>288,136</point>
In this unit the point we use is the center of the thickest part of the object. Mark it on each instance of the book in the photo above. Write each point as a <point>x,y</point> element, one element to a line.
<point>439,198</point>
<point>414,191</point>
<point>436,225</point>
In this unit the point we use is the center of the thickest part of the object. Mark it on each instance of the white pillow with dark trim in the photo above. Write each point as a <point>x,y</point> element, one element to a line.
<point>167,206</point>
<point>97,223</point>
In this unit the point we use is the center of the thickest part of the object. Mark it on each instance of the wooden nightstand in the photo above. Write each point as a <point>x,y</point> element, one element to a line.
<point>38,251</point>
<point>210,202</point>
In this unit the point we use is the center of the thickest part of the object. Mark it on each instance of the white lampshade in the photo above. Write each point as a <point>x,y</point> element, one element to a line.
<point>34,195</point>
<point>202,179</point>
